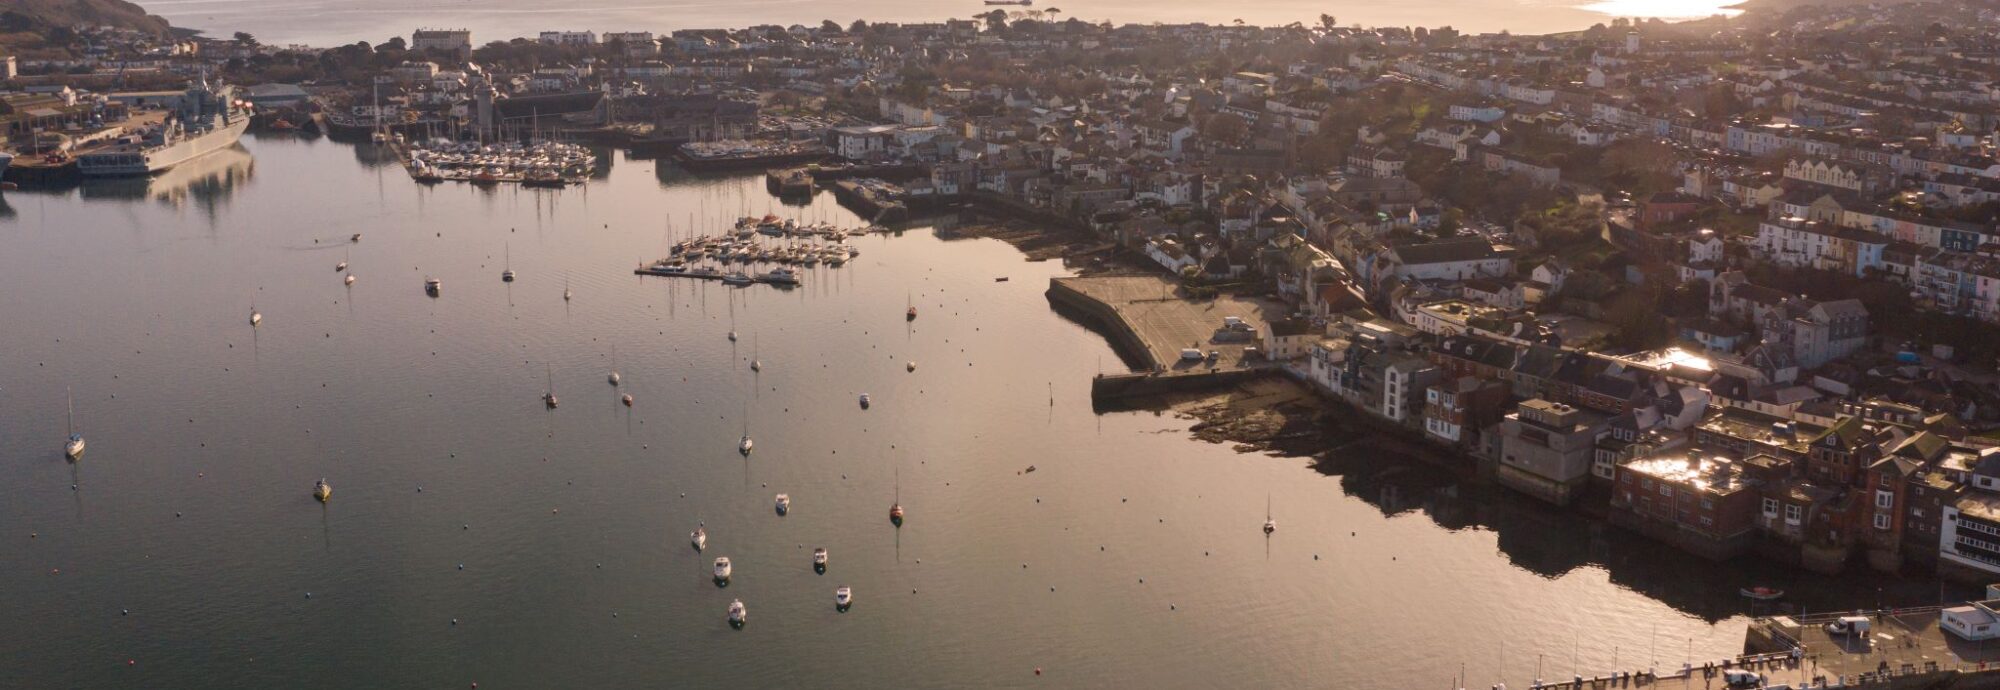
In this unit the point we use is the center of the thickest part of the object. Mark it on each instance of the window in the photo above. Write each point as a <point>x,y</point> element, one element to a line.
<point>1707,504</point>
<point>1666,489</point>
<point>1794,514</point>
<point>1646,483</point>
<point>1884,499</point>
<point>1881,521</point>
<point>1770,507</point>
<point>1707,521</point>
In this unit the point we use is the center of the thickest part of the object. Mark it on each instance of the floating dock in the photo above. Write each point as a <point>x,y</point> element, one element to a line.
<point>713,275</point>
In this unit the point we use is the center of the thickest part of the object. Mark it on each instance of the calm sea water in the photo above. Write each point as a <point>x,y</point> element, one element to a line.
<point>191,508</point>
<point>336,22</point>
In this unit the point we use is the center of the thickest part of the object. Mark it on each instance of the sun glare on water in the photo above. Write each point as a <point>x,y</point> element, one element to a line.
<point>1664,9</point>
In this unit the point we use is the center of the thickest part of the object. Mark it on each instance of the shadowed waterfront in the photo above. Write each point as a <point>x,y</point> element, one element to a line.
<point>191,510</point>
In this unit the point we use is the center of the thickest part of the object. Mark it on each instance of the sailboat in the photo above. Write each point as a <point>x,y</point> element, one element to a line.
<point>1270,524</point>
<point>322,490</point>
<point>896,509</point>
<point>755,363</point>
<point>507,269</point>
<point>744,445</point>
<point>549,398</point>
<point>911,314</point>
<point>256,317</point>
<point>614,378</point>
<point>73,449</point>
<point>565,288</point>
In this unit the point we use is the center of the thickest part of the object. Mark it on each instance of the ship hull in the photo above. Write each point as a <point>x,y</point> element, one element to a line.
<point>160,159</point>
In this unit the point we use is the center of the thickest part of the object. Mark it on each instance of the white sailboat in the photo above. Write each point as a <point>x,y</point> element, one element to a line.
<point>614,378</point>
<point>1270,524</point>
<point>549,398</point>
<point>73,448</point>
<point>507,269</point>
<point>699,537</point>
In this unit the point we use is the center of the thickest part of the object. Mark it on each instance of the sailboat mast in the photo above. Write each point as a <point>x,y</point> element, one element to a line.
<point>72,409</point>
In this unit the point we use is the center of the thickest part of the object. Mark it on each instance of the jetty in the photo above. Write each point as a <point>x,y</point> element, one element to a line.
<point>1902,648</point>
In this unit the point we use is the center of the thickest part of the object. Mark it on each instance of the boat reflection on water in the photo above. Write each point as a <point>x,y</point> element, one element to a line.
<point>207,181</point>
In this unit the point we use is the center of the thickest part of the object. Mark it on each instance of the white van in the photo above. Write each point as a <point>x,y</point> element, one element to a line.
<point>1191,355</point>
<point>1849,625</point>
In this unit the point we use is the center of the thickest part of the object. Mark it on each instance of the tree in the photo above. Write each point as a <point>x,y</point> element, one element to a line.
<point>858,27</point>
<point>1327,23</point>
<point>394,43</point>
<point>1225,127</point>
<point>828,26</point>
<point>243,38</point>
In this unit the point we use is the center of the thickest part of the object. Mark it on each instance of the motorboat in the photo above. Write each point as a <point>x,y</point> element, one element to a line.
<point>699,537</point>
<point>738,278</point>
<point>342,266</point>
<point>910,366</point>
<point>896,514</point>
<point>627,399</point>
<point>722,569</point>
<point>782,276</point>
<point>507,276</point>
<point>819,560</point>
<point>1270,525</point>
<point>322,490</point>
<point>255,316</point>
<point>507,271</point>
<point>349,279</point>
<point>843,598</point>
<point>732,336</point>
<point>744,445</point>
<point>864,401</point>
<point>756,365</point>
<point>738,613</point>
<point>784,503</point>
<point>1762,593</point>
<point>432,286</point>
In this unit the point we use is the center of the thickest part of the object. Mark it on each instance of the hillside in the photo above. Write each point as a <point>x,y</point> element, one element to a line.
<point>66,13</point>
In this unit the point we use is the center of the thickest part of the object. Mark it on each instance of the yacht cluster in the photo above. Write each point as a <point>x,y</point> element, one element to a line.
<point>544,164</point>
<point>790,244</point>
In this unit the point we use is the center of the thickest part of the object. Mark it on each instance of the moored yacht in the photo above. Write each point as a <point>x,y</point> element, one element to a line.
<point>738,613</point>
<point>432,286</point>
<point>784,503</point>
<point>73,448</point>
<point>322,490</point>
<point>864,401</point>
<point>699,537</point>
<point>819,560</point>
<point>722,569</point>
<point>843,598</point>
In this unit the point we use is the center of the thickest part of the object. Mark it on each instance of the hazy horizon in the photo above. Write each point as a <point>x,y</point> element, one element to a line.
<point>327,22</point>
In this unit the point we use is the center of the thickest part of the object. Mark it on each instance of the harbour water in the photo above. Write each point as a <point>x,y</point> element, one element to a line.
<point>185,548</point>
<point>341,22</point>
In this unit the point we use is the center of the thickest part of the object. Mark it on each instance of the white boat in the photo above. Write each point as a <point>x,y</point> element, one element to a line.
<point>627,399</point>
<point>722,569</point>
<point>432,286</point>
<point>549,398</point>
<point>342,266</point>
<point>1270,524</point>
<point>255,316</point>
<point>864,401</point>
<point>738,278</point>
<point>784,503</point>
<point>756,365</point>
<point>208,120</point>
<point>819,559</point>
<point>738,613</point>
<point>732,336</point>
<point>73,448</point>
<point>910,366</point>
<point>507,269</point>
<point>843,597</point>
<point>322,490</point>
<point>349,279</point>
<point>781,276</point>
<point>745,445</point>
<point>699,537</point>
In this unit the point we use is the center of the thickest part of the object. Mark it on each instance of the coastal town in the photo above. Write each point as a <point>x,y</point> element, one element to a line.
<point>1729,283</point>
